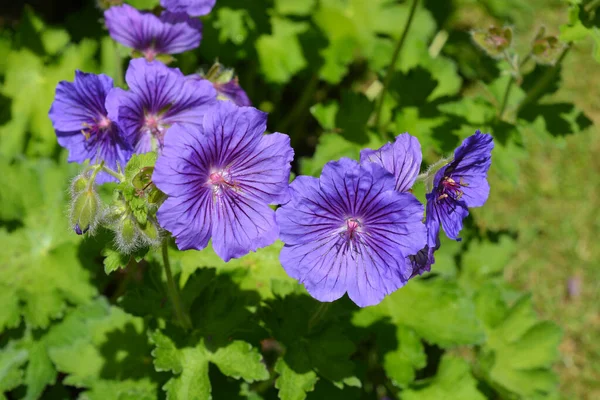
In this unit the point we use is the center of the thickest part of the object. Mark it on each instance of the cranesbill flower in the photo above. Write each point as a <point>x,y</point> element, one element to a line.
<point>403,159</point>
<point>79,115</point>
<point>350,232</point>
<point>171,33</point>
<point>226,84</point>
<point>192,7</point>
<point>459,185</point>
<point>221,179</point>
<point>159,97</point>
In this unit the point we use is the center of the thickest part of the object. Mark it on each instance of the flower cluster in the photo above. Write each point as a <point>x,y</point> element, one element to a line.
<point>357,229</point>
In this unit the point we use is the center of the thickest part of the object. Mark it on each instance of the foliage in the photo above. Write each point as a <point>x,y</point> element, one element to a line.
<point>91,318</point>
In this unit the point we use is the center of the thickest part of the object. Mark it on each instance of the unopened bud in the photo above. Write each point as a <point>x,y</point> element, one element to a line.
<point>546,49</point>
<point>150,233</point>
<point>85,211</point>
<point>494,41</point>
<point>79,184</point>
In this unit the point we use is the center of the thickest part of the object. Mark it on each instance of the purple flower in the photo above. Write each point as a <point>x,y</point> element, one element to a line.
<point>171,33</point>
<point>424,259</point>
<point>159,97</point>
<point>458,185</point>
<point>232,91</point>
<point>221,179</point>
<point>350,231</point>
<point>403,159</point>
<point>194,8</point>
<point>80,117</point>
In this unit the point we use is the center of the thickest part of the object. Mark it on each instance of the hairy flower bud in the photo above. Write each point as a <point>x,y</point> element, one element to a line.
<point>546,49</point>
<point>494,41</point>
<point>85,210</point>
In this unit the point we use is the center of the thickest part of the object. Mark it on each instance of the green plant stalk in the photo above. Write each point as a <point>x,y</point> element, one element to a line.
<point>390,71</point>
<point>505,98</point>
<point>114,174</point>
<point>173,291</point>
<point>301,105</point>
<point>544,81</point>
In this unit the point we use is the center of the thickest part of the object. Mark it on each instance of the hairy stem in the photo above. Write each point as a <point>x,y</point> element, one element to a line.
<point>390,71</point>
<point>505,98</point>
<point>537,89</point>
<point>173,290</point>
<point>120,177</point>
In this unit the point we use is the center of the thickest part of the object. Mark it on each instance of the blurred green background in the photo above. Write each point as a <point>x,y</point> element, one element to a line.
<point>545,197</point>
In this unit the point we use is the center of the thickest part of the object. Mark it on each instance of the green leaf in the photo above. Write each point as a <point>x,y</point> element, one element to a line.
<point>137,163</point>
<point>437,309</point>
<point>143,389</point>
<point>42,268</point>
<point>485,260</point>
<point>233,25</point>
<point>98,346</point>
<point>40,371</point>
<point>114,260</point>
<point>240,360</point>
<point>325,114</point>
<point>294,7</point>
<point>11,360</point>
<point>190,365</point>
<point>292,384</point>
<point>256,271</point>
<point>400,365</point>
<point>520,349</point>
<point>453,381</point>
<point>332,147</point>
<point>280,54</point>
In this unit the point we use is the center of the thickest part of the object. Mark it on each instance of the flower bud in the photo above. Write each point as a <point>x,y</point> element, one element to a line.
<point>79,184</point>
<point>85,211</point>
<point>546,49</point>
<point>150,233</point>
<point>494,41</point>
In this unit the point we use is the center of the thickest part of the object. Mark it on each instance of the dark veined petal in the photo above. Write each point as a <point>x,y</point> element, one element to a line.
<point>265,173</point>
<point>79,102</point>
<point>448,213</point>
<point>350,231</point>
<point>194,8</point>
<point>402,158</point>
<point>171,33</point>
<point>82,124</point>
<point>241,224</point>
<point>233,91</point>
<point>423,260</point>
<point>166,95</point>
<point>224,174</point>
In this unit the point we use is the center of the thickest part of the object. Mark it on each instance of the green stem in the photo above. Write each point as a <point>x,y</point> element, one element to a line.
<point>390,71</point>
<point>537,90</point>
<point>173,290</point>
<point>592,5</point>
<point>505,98</point>
<point>301,105</point>
<point>114,174</point>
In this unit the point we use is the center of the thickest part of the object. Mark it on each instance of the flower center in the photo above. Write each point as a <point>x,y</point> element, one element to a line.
<point>150,54</point>
<point>220,181</point>
<point>102,124</point>
<point>451,188</point>
<point>353,227</point>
